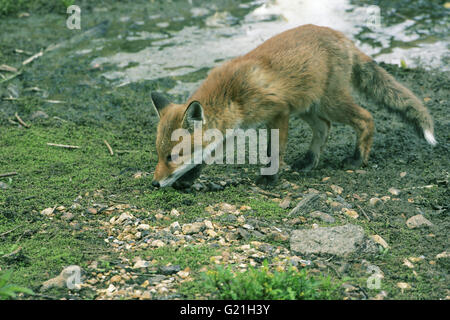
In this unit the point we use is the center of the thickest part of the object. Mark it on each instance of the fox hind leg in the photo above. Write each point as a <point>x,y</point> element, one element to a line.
<point>346,111</point>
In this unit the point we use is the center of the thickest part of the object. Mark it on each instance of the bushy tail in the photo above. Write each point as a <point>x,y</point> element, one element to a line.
<point>376,83</point>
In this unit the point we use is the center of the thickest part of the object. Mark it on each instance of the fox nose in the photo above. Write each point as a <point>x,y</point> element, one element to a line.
<point>155,184</point>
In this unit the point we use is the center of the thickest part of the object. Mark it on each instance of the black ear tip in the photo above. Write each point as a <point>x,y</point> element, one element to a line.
<point>159,100</point>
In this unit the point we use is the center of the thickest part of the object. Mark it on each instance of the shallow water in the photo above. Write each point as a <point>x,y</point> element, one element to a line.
<point>200,40</point>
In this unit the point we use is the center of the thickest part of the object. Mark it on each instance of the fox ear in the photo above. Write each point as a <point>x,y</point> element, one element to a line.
<point>194,112</point>
<point>159,102</point>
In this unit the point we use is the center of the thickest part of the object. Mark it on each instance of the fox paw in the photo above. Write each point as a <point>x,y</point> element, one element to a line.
<point>307,163</point>
<point>265,180</point>
<point>352,162</point>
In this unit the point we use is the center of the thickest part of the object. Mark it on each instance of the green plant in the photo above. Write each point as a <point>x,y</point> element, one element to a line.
<point>8,290</point>
<point>263,284</point>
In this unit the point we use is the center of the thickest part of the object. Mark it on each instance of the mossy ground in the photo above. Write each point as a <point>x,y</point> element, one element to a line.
<point>94,111</point>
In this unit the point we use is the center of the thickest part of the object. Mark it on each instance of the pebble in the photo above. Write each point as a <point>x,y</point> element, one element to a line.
<point>208,224</point>
<point>67,216</point>
<point>286,203</point>
<point>394,191</point>
<point>143,227</point>
<point>418,221</point>
<point>169,270</point>
<point>378,239</point>
<point>193,228</point>
<point>336,189</point>
<point>325,217</point>
<point>91,210</point>
<point>158,243</point>
<point>375,202</point>
<point>350,213</point>
<point>175,226</point>
<point>47,212</point>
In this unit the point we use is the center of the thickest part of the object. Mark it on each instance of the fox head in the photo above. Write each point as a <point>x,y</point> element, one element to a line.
<point>177,123</point>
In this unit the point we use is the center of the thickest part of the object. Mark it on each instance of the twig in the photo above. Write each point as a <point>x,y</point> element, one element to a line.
<point>362,210</point>
<point>109,147</point>
<point>21,121</point>
<point>9,174</point>
<point>126,151</point>
<point>12,76</point>
<point>5,67</point>
<point>23,51</point>
<point>62,146</point>
<point>60,119</point>
<point>54,101</point>
<point>9,231</point>
<point>12,253</point>
<point>12,122</point>
<point>32,58</point>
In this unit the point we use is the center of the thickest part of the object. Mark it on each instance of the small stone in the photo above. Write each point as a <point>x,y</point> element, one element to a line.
<point>402,174</point>
<point>248,227</point>
<point>124,216</point>
<point>350,213</point>
<point>418,221</point>
<point>208,224</point>
<point>375,202</point>
<point>336,189</point>
<point>3,185</point>
<point>115,278</point>
<point>139,263</point>
<point>47,212</point>
<point>175,226</point>
<point>91,211</point>
<point>158,243</point>
<point>286,203</point>
<point>159,216</point>
<point>325,217</point>
<point>174,213</point>
<point>192,228</point>
<point>211,233</point>
<point>183,274</point>
<point>443,255</point>
<point>169,270</point>
<point>67,216</point>
<point>403,285</point>
<point>380,241</point>
<point>143,227</point>
<point>408,263</point>
<point>394,191</point>
<point>227,208</point>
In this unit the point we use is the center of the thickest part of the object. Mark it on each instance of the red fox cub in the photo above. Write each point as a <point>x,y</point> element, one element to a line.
<point>307,71</point>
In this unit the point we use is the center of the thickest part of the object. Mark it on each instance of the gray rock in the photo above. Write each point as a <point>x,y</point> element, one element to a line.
<point>304,205</point>
<point>3,185</point>
<point>340,241</point>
